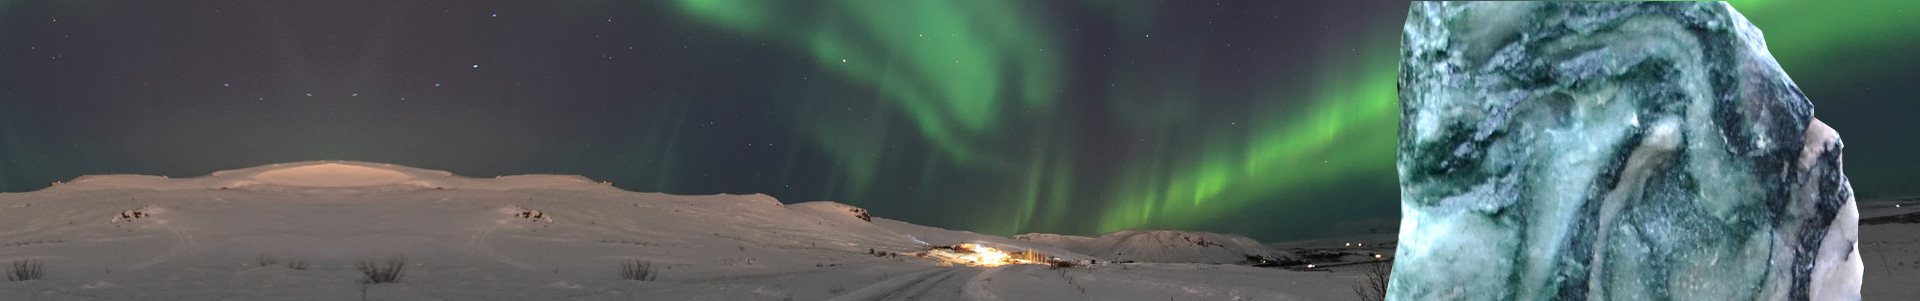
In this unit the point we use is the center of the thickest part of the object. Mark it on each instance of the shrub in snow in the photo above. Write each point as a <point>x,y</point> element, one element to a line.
<point>1374,287</point>
<point>265,260</point>
<point>23,270</point>
<point>268,260</point>
<point>635,269</point>
<point>382,273</point>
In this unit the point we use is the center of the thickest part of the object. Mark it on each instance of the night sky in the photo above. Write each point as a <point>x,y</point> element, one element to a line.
<point>1274,119</point>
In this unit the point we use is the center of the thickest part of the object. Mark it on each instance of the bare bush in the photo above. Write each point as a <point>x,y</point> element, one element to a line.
<point>635,269</point>
<point>297,264</point>
<point>1060,263</point>
<point>1374,286</point>
<point>23,270</point>
<point>388,272</point>
<point>265,260</point>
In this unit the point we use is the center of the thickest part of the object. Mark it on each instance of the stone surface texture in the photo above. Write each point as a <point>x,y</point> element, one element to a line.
<point>1612,151</point>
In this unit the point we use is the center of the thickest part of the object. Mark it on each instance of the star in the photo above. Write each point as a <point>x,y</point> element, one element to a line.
<point>496,15</point>
<point>224,85</point>
<point>476,66</point>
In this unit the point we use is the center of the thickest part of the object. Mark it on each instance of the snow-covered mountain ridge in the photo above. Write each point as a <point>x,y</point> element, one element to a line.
<point>1169,246</point>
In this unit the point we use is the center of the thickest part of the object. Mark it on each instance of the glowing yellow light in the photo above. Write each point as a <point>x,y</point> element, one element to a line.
<point>977,255</point>
<point>1376,256</point>
<point>989,256</point>
<point>980,256</point>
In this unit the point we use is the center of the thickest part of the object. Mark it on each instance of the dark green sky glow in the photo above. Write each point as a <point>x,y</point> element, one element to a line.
<point>1273,119</point>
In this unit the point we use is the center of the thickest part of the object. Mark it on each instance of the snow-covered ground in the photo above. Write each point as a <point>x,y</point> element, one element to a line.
<point>235,235</point>
<point>1890,249</point>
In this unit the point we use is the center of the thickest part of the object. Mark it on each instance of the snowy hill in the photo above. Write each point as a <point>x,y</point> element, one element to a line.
<point>298,231</point>
<point>1166,246</point>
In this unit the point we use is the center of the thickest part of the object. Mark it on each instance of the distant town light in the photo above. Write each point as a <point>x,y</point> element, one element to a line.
<point>1309,265</point>
<point>1376,256</point>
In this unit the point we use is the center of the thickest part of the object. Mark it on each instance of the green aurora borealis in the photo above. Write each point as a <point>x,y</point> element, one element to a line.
<point>920,62</point>
<point>1275,120</point>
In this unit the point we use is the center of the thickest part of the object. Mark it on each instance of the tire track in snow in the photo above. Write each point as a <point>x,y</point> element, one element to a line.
<point>180,237</point>
<point>479,243</point>
<point>940,284</point>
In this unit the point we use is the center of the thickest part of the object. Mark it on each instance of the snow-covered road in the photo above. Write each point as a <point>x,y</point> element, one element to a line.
<point>938,284</point>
